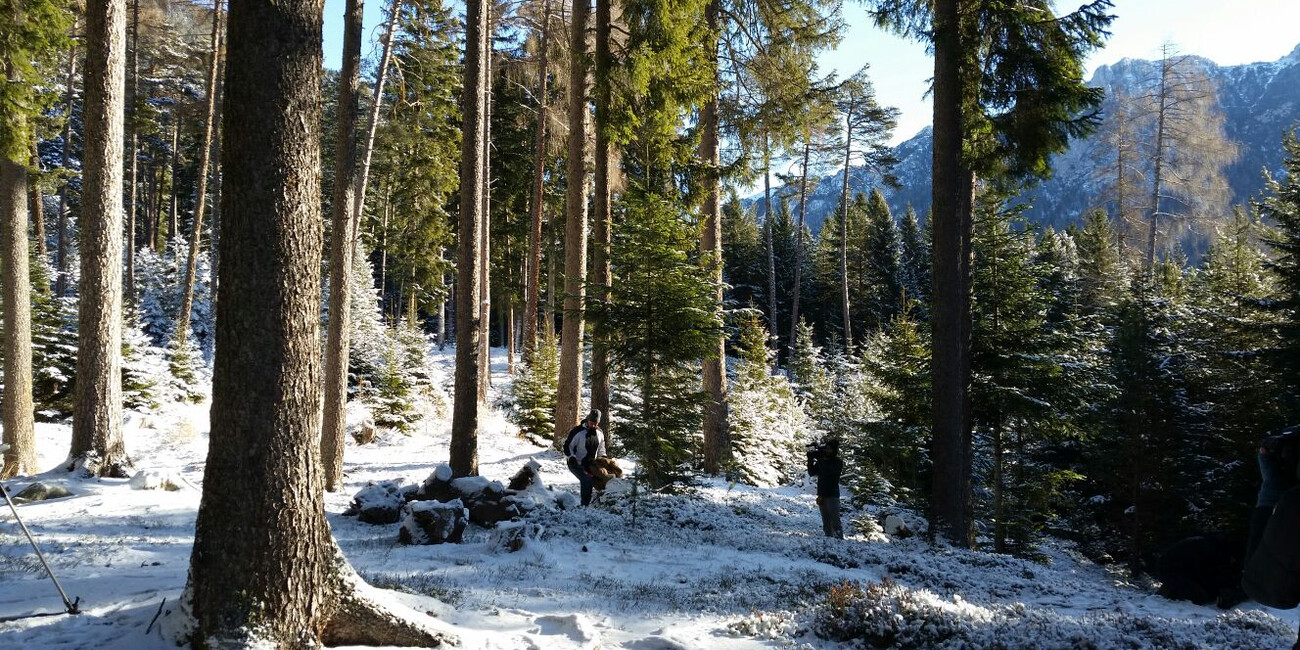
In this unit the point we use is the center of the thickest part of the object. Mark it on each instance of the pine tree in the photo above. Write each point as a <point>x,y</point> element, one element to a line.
<point>1008,93</point>
<point>767,424</point>
<point>1281,207</point>
<point>896,362</point>
<point>286,586</point>
<point>534,390</point>
<point>97,445</point>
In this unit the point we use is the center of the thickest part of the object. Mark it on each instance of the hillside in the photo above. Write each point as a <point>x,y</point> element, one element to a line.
<point>1259,100</point>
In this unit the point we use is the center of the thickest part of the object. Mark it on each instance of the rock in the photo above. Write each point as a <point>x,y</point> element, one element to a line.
<point>513,536</point>
<point>381,503</point>
<point>41,492</point>
<point>432,522</point>
<point>152,479</point>
<point>438,486</point>
<point>894,526</point>
<point>366,433</point>
<point>527,476</point>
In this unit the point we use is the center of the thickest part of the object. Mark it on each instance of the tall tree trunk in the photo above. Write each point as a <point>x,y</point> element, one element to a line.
<point>173,220</point>
<point>133,151</point>
<point>469,317</point>
<point>16,402</point>
<point>569,395</point>
<point>485,259</point>
<point>36,206</point>
<point>844,232</point>
<point>265,571</point>
<point>774,337</point>
<point>798,241</point>
<point>950,501</point>
<point>1157,163</point>
<point>600,262</point>
<point>533,283</point>
<point>61,257</point>
<point>342,236</point>
<point>97,416</point>
<point>715,375</point>
<point>201,198</point>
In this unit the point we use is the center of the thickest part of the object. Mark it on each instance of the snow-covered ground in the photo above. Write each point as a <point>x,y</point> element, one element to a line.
<point>724,567</point>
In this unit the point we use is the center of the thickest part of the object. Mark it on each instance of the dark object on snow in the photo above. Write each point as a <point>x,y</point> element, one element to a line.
<point>824,463</point>
<point>604,470</point>
<point>432,522</point>
<point>1200,569</point>
<point>1272,575</point>
<point>381,503</point>
<point>41,492</point>
<point>526,477</point>
<point>69,606</point>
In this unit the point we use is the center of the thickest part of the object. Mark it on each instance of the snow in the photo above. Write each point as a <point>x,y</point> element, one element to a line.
<point>725,566</point>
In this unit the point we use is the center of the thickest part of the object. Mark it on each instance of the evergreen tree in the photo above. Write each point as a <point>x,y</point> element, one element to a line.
<point>768,427</point>
<point>896,362</point>
<point>1281,209</point>
<point>914,261</point>
<point>1230,329</point>
<point>882,270</point>
<point>534,390</point>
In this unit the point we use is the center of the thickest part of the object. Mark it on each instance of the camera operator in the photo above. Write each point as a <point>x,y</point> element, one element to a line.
<point>824,463</point>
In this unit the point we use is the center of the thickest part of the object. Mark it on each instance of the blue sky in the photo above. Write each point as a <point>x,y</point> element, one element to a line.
<point>1226,32</point>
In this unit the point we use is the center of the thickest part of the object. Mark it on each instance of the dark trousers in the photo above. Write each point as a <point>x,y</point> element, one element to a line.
<point>584,483</point>
<point>830,510</point>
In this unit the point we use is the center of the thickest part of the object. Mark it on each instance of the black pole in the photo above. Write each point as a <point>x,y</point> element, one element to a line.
<point>69,605</point>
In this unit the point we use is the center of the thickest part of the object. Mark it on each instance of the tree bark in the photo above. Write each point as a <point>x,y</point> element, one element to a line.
<point>201,198</point>
<point>775,335</point>
<point>600,262</point>
<point>798,242</point>
<point>485,258</point>
<point>952,202</point>
<point>61,255</point>
<point>173,221</point>
<point>133,150</point>
<point>844,232</point>
<point>714,367</point>
<point>342,238</point>
<point>265,571</point>
<point>575,230</point>
<point>36,207</point>
<point>97,444</point>
<point>16,405</point>
<point>469,317</point>
<point>533,283</point>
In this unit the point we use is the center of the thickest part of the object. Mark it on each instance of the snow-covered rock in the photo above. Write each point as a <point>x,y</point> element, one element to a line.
<point>433,522</point>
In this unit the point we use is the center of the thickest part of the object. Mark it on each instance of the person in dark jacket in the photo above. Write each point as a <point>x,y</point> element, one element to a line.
<point>1275,526</point>
<point>824,463</point>
<point>584,444</point>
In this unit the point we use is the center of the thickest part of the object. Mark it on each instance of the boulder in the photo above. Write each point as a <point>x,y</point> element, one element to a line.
<point>381,503</point>
<point>152,479</point>
<point>366,433</point>
<point>433,522</point>
<point>41,492</point>
<point>438,486</point>
<point>513,536</point>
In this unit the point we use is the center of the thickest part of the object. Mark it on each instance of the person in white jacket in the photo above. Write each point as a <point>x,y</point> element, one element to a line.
<point>584,444</point>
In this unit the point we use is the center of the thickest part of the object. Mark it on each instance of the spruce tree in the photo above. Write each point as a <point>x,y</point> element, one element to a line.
<point>767,424</point>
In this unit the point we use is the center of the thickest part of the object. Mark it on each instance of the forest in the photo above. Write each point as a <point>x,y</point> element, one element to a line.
<point>295,282</point>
